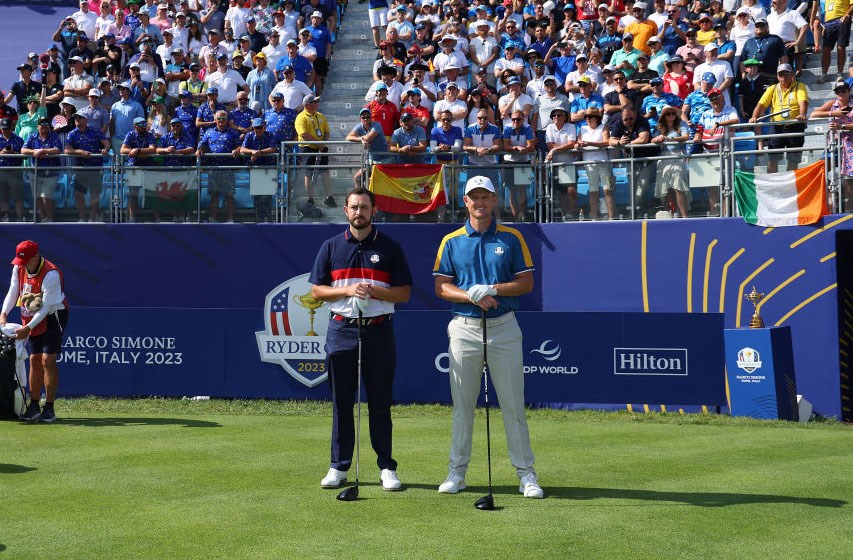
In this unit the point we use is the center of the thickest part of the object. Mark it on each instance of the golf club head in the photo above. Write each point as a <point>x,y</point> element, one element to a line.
<point>349,494</point>
<point>487,502</point>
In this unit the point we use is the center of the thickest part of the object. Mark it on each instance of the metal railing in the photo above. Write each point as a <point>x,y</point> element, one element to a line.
<point>204,189</point>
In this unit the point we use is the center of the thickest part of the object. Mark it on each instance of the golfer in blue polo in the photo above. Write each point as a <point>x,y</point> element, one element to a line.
<point>482,268</point>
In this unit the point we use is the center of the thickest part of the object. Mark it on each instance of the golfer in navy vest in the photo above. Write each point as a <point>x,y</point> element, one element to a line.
<point>484,267</point>
<point>362,273</point>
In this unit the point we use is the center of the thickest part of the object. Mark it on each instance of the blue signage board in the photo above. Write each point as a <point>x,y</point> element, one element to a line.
<point>760,373</point>
<point>605,358</point>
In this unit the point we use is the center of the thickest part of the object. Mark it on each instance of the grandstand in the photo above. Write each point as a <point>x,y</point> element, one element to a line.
<point>349,78</point>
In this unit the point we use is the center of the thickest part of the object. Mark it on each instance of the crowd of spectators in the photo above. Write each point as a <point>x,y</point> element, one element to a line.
<point>487,79</point>
<point>552,77</point>
<point>177,78</point>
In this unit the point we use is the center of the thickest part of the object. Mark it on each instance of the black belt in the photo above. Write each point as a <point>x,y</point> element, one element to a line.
<point>365,321</point>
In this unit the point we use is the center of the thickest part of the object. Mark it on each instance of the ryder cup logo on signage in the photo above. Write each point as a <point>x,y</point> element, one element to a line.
<point>748,359</point>
<point>650,361</point>
<point>295,333</point>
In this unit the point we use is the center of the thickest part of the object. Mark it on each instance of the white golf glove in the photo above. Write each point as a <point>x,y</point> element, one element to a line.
<point>360,304</point>
<point>479,291</point>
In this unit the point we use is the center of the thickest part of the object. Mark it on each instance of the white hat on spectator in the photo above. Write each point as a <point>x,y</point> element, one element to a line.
<point>711,47</point>
<point>317,13</point>
<point>94,91</point>
<point>639,5</point>
<point>784,68</point>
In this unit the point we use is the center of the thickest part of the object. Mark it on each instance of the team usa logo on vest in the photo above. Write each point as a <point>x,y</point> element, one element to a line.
<point>295,335</point>
<point>748,359</point>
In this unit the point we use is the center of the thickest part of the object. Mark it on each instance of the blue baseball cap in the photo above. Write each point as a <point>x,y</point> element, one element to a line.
<point>381,87</point>
<point>278,95</point>
<point>176,120</point>
<point>513,80</point>
<point>655,81</point>
<point>212,91</point>
<point>185,94</point>
<point>709,77</point>
<point>258,121</point>
<point>138,120</point>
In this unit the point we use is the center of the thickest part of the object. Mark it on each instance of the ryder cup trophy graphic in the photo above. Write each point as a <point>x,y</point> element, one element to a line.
<point>312,304</point>
<point>755,298</point>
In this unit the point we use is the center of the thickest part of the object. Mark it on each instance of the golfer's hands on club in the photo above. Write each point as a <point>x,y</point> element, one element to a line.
<point>482,295</point>
<point>361,294</point>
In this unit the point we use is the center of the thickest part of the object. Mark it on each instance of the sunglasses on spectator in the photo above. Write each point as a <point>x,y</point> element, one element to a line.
<point>516,119</point>
<point>222,118</point>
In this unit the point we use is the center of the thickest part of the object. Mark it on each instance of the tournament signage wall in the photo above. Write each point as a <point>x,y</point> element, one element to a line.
<point>568,357</point>
<point>211,289</point>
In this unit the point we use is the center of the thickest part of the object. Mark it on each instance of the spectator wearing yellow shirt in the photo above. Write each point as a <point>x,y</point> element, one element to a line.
<point>642,29</point>
<point>312,127</point>
<point>788,100</point>
<point>706,34</point>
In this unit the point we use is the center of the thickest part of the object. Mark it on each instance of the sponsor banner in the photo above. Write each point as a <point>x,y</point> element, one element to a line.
<point>568,357</point>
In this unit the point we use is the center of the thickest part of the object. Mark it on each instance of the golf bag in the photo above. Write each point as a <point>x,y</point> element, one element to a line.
<point>11,397</point>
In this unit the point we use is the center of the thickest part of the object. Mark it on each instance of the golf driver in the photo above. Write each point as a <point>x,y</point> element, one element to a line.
<point>487,502</point>
<point>351,494</point>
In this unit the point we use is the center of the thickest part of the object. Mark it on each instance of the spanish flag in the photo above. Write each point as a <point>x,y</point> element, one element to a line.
<point>410,188</point>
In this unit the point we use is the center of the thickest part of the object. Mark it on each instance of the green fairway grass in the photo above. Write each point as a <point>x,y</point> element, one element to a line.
<point>171,479</point>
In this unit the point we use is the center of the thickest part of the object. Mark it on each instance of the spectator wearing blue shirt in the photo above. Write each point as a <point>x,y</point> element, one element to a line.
<point>11,180</point>
<point>674,30</point>
<point>520,142</point>
<point>138,146</point>
<point>280,120</point>
<point>187,113</point>
<point>261,81</point>
<point>44,145</point>
<point>654,103</point>
<point>221,139</point>
<point>322,41</point>
<point>726,48</point>
<point>446,140</point>
<point>175,144</point>
<point>205,117</point>
<point>584,100</point>
<point>695,105</point>
<point>242,116</point>
<point>561,60</point>
<point>369,133</point>
<point>87,143</point>
<point>610,40</point>
<point>261,148</point>
<point>301,66</point>
<point>122,114</point>
<point>481,142</point>
<point>408,141</point>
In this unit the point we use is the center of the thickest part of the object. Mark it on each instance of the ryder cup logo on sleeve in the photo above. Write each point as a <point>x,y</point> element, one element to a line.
<point>295,335</point>
<point>748,359</point>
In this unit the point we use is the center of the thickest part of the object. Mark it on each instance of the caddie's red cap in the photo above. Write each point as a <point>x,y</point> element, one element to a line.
<point>25,251</point>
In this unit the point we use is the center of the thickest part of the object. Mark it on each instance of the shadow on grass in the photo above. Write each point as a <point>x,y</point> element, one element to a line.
<point>700,499</point>
<point>113,422</point>
<point>14,469</point>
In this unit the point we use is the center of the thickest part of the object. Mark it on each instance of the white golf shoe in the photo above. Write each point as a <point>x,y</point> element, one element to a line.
<point>389,479</point>
<point>453,484</point>
<point>529,486</point>
<point>334,478</point>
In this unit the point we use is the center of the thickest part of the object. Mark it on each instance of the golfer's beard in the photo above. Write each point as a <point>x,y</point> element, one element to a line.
<point>361,222</point>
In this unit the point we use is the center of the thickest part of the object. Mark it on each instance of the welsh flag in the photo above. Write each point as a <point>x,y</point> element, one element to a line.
<point>791,198</point>
<point>170,190</point>
<point>410,188</point>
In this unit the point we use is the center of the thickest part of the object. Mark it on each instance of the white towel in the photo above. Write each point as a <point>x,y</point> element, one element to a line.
<point>20,351</point>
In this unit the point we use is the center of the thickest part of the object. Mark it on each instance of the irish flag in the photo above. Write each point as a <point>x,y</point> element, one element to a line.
<point>792,198</point>
<point>409,188</point>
